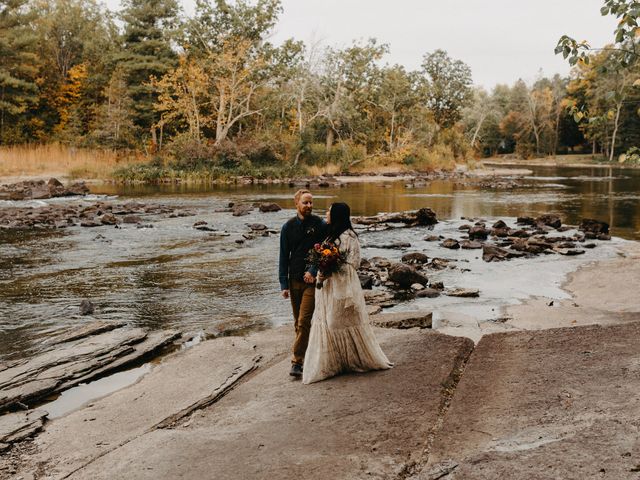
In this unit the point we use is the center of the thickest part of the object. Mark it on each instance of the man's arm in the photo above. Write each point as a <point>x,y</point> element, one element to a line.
<point>283,263</point>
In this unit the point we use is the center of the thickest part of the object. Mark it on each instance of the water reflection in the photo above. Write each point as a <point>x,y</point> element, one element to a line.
<point>174,276</point>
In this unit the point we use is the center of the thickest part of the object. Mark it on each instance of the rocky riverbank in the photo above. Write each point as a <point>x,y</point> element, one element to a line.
<point>524,404</point>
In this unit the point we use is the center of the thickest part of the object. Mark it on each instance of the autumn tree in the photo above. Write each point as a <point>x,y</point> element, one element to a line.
<point>600,93</point>
<point>447,87</point>
<point>396,97</point>
<point>70,34</point>
<point>114,117</point>
<point>478,115</point>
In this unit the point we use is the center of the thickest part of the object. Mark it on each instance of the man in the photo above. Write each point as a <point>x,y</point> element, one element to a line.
<point>297,282</point>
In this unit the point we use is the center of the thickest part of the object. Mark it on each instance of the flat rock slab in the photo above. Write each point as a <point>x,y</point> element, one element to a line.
<point>371,425</point>
<point>175,388</point>
<point>560,403</point>
<point>92,352</point>
<point>93,328</point>
<point>403,320</point>
<point>20,425</point>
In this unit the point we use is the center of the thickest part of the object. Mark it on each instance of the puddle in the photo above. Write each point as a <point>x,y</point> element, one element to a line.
<point>84,393</point>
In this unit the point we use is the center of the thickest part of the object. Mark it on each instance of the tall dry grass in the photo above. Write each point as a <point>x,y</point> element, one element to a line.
<point>61,161</point>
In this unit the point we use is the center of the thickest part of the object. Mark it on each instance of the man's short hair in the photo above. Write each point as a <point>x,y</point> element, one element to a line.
<point>299,193</point>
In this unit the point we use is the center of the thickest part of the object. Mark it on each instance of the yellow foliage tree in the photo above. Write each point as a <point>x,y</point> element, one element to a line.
<point>69,95</point>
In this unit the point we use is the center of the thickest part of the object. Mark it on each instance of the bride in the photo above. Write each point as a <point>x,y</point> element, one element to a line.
<point>341,338</point>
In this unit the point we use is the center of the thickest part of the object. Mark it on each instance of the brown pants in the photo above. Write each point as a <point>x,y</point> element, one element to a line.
<point>303,299</point>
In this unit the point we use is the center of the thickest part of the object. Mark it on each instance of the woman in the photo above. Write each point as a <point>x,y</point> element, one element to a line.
<point>341,338</point>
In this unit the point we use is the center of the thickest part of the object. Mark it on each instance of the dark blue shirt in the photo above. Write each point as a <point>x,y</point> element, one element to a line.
<point>297,237</point>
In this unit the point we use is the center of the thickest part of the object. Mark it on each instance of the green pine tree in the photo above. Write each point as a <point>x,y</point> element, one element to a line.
<point>150,26</point>
<point>18,68</point>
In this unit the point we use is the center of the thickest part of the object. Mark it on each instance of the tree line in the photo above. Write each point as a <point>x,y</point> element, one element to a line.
<point>212,87</point>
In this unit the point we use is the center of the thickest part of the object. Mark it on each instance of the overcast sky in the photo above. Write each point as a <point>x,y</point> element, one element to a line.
<point>501,40</point>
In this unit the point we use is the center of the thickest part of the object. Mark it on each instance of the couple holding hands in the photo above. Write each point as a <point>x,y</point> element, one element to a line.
<point>332,330</point>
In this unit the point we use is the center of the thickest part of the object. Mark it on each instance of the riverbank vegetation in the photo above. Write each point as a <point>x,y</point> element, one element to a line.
<point>209,95</point>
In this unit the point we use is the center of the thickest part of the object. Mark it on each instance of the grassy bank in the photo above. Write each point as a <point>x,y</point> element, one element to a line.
<point>555,160</point>
<point>61,160</point>
<point>224,164</point>
<point>264,161</point>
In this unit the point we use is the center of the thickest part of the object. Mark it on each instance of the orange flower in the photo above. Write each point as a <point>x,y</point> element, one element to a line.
<point>326,251</point>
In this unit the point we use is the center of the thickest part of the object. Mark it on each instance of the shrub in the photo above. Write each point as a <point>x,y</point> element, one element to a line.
<point>631,156</point>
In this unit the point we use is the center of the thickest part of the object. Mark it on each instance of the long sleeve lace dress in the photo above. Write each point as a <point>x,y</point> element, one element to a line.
<point>341,337</point>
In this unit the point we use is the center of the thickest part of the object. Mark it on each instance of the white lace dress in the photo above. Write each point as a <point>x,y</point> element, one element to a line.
<point>341,337</point>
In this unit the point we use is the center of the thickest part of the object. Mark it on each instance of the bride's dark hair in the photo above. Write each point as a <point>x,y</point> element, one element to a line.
<point>340,214</point>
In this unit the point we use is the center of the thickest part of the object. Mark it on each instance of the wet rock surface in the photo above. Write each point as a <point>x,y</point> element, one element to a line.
<point>402,320</point>
<point>98,214</point>
<point>41,189</point>
<point>365,416</point>
<point>75,358</point>
<point>499,241</point>
<point>422,217</point>
<point>558,403</point>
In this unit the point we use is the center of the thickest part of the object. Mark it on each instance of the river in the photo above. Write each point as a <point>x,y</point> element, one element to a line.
<point>207,284</point>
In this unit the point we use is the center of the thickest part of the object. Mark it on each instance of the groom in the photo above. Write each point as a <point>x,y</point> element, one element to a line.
<point>298,236</point>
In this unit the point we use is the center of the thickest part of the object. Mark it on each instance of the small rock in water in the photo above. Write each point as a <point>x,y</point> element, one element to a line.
<point>241,210</point>
<point>451,243</point>
<point>270,207</point>
<point>550,220</point>
<point>500,224</point>
<point>415,257</point>
<point>366,282</point>
<point>463,292</point>
<point>131,219</point>
<point>405,275</point>
<point>87,307</point>
<point>479,232</point>
<point>428,293</point>
<point>109,219</point>
<point>470,245</point>
<point>391,246</point>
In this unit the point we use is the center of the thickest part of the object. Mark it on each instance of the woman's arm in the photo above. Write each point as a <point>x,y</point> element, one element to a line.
<point>352,249</point>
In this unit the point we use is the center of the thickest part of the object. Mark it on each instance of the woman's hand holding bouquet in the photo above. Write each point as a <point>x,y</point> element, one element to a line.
<point>327,258</point>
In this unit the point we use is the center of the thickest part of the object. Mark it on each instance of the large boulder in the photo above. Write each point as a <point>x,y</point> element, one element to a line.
<point>405,275</point>
<point>593,226</point>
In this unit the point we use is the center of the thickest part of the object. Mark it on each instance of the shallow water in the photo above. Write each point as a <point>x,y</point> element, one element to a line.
<point>172,276</point>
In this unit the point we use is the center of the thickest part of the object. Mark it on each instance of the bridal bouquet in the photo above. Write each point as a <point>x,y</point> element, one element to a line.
<point>327,258</point>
